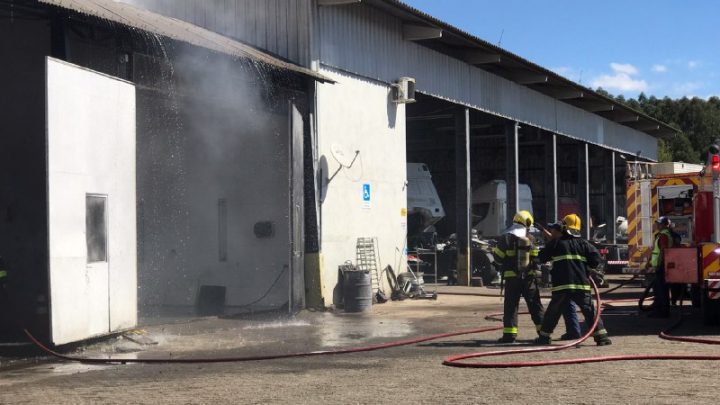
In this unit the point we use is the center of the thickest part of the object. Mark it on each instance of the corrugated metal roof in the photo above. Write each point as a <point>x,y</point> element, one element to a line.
<point>179,30</point>
<point>588,100</point>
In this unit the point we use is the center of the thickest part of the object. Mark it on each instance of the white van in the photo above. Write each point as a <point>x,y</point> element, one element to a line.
<point>489,207</point>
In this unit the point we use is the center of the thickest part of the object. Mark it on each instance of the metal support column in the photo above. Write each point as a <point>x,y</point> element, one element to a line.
<point>463,195</point>
<point>551,183</point>
<point>584,188</point>
<point>611,222</point>
<point>512,179</point>
<point>716,207</point>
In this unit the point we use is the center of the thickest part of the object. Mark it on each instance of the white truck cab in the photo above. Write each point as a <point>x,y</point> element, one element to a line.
<point>423,199</point>
<point>489,207</point>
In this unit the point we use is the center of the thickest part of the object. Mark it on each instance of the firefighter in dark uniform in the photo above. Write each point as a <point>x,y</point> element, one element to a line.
<point>516,254</point>
<point>571,256</point>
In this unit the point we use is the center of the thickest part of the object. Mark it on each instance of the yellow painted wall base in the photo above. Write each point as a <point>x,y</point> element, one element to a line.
<point>314,281</point>
<point>463,268</point>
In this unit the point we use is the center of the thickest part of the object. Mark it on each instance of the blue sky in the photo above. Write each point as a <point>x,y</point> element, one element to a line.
<point>662,47</point>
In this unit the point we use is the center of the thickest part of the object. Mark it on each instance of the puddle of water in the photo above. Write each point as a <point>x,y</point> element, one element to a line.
<point>355,331</point>
<point>277,325</point>
<point>54,369</point>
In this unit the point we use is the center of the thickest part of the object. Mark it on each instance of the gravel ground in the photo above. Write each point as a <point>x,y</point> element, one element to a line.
<point>410,374</point>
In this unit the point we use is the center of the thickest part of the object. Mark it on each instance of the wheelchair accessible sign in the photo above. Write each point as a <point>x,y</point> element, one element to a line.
<point>366,196</point>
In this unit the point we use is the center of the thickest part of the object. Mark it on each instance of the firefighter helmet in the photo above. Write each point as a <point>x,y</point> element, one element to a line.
<point>664,221</point>
<point>524,218</point>
<point>572,223</point>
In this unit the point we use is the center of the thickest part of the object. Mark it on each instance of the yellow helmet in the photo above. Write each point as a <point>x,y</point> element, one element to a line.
<point>524,218</point>
<point>572,222</point>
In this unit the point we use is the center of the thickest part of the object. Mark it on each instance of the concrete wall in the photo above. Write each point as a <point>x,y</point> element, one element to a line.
<point>212,136</point>
<point>357,115</point>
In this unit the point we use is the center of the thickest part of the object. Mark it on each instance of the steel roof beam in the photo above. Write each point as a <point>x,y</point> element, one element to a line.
<point>530,78</point>
<point>567,94</point>
<point>337,2</point>
<point>597,107</point>
<point>626,118</point>
<point>412,32</point>
<point>481,58</point>
<point>647,127</point>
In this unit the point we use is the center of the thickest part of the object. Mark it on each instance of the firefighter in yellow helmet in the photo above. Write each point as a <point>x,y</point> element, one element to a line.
<point>571,257</point>
<point>516,256</point>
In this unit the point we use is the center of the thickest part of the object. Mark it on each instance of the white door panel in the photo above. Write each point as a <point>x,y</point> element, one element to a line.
<point>91,163</point>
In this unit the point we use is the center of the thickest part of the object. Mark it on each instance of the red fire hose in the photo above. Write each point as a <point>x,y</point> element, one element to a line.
<point>457,361</point>
<point>454,361</point>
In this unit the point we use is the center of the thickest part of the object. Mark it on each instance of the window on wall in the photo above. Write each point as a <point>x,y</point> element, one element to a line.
<point>96,228</point>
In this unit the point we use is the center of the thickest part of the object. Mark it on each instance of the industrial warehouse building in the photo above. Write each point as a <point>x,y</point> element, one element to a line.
<point>266,137</point>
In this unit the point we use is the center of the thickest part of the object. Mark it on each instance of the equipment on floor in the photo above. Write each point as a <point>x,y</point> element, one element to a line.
<point>407,285</point>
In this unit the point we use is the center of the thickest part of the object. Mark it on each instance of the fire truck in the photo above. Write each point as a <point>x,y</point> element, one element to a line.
<point>690,196</point>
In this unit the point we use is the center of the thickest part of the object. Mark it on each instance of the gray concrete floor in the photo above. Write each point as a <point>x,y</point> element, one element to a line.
<point>406,374</point>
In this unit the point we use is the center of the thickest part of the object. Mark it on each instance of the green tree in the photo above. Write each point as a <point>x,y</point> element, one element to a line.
<point>698,121</point>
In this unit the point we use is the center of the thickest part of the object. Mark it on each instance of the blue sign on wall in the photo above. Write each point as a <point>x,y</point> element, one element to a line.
<point>366,195</point>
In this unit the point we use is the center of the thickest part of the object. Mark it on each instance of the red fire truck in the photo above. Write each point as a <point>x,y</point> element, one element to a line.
<point>685,194</point>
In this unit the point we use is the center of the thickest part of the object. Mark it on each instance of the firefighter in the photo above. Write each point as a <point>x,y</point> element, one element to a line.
<point>663,240</point>
<point>571,257</point>
<point>516,254</point>
<point>572,323</point>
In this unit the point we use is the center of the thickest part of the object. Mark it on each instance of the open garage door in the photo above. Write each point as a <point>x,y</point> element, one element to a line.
<point>91,203</point>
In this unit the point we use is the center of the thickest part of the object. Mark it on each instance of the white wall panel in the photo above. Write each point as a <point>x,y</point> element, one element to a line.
<point>357,115</point>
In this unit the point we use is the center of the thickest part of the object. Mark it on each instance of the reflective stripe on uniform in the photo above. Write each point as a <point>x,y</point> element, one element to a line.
<point>534,252</point>
<point>499,253</point>
<point>509,273</point>
<point>510,331</point>
<point>3,274</point>
<point>503,254</point>
<point>600,332</point>
<point>583,287</point>
<point>655,257</point>
<point>569,257</point>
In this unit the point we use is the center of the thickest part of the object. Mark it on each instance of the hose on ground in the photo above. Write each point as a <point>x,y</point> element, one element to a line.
<point>665,334</point>
<point>459,360</point>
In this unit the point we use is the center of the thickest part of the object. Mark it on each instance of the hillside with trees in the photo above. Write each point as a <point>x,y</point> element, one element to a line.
<point>696,118</point>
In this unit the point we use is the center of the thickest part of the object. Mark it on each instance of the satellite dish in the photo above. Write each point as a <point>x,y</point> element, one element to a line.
<point>342,155</point>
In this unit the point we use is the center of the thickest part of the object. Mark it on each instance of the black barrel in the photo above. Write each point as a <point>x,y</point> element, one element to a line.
<point>357,291</point>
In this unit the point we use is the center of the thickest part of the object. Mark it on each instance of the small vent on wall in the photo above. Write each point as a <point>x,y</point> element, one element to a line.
<point>264,230</point>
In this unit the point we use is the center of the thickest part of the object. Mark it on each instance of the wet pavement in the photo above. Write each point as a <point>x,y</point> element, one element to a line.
<point>412,373</point>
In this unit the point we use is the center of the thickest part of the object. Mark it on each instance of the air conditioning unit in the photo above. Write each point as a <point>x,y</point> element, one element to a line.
<point>403,91</point>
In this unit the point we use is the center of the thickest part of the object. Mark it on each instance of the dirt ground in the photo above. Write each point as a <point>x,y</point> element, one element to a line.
<point>410,374</point>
